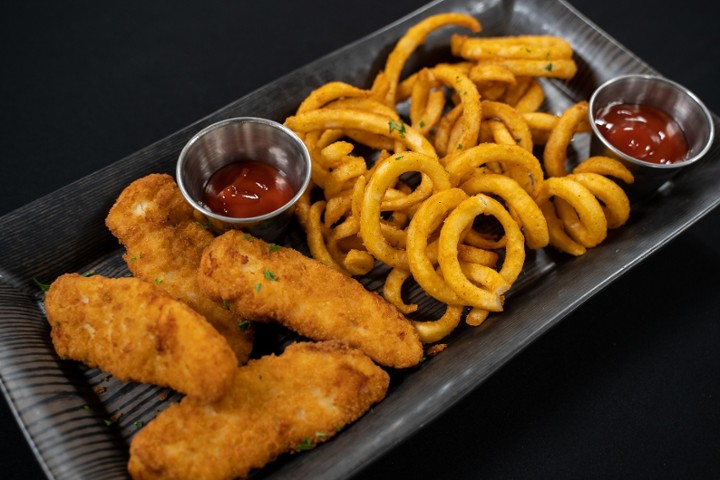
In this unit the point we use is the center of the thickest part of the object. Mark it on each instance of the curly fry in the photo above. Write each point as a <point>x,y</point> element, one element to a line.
<point>385,175</point>
<point>435,330</point>
<point>413,38</point>
<point>555,152</point>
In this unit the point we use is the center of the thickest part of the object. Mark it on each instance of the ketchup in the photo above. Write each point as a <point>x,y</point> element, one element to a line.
<point>247,188</point>
<point>643,132</point>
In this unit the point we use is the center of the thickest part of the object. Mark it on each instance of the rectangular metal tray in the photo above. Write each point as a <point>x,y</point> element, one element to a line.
<point>41,240</point>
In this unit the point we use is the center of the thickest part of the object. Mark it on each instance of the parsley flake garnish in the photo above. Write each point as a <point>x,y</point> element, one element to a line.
<point>400,127</point>
<point>43,286</point>
<point>306,444</point>
<point>139,424</point>
<point>273,247</point>
<point>549,67</point>
<point>270,275</point>
<point>258,286</point>
<point>244,325</point>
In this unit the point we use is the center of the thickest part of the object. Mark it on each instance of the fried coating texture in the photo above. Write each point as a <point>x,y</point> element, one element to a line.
<point>163,243</point>
<point>137,332</point>
<point>270,283</point>
<point>277,404</point>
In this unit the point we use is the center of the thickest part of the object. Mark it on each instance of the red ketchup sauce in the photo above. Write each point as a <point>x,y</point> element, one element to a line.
<point>643,132</point>
<point>247,188</point>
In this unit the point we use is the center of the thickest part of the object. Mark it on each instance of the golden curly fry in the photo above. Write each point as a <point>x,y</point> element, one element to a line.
<point>512,119</point>
<point>614,200</point>
<point>392,290</point>
<point>413,38</point>
<point>582,216</point>
<point>435,330</point>
<point>493,284</point>
<point>330,92</point>
<point>426,221</point>
<point>555,152</point>
<point>529,47</point>
<point>528,173</point>
<point>385,175</point>
<point>526,211</point>
<point>605,166</point>
<point>328,118</point>
<point>471,106</point>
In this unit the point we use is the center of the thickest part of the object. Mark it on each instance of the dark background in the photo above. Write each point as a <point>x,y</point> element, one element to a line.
<point>628,386</point>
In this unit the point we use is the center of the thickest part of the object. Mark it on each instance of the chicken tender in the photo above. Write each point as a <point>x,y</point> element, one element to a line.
<point>277,404</point>
<point>137,332</point>
<point>163,243</point>
<point>271,283</point>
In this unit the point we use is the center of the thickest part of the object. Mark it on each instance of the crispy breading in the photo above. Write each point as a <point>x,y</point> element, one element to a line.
<point>137,332</point>
<point>277,404</point>
<point>271,283</point>
<point>163,243</point>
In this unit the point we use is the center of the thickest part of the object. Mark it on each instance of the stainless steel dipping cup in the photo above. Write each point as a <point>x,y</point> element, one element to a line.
<point>681,104</point>
<point>244,138</point>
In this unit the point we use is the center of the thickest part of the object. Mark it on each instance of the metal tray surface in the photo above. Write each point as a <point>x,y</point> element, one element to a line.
<point>58,404</point>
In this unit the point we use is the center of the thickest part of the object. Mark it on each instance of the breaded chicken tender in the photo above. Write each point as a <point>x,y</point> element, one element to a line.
<point>271,283</point>
<point>277,404</point>
<point>137,332</point>
<point>163,243</point>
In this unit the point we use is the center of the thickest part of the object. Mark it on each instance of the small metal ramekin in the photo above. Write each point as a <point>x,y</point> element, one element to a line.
<point>244,138</point>
<point>691,114</point>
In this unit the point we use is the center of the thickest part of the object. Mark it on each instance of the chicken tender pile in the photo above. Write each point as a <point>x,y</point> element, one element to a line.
<point>277,404</point>
<point>182,322</point>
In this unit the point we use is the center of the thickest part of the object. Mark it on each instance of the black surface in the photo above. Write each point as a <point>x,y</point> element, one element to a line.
<point>628,386</point>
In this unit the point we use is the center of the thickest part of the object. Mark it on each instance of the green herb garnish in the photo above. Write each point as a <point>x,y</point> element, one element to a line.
<point>400,127</point>
<point>270,275</point>
<point>43,286</point>
<point>306,444</point>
